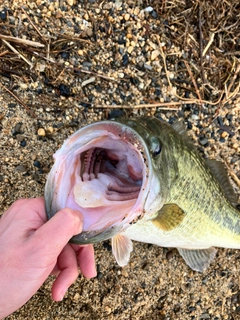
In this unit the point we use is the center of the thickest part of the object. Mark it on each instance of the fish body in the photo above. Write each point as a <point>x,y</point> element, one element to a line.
<point>142,179</point>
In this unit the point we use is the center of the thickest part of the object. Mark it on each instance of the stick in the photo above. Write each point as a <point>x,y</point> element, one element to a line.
<point>18,100</point>
<point>162,106</point>
<point>200,44</point>
<point>164,61</point>
<point>23,41</point>
<point>18,53</point>
<point>193,80</point>
<point>209,44</point>
<point>33,25</point>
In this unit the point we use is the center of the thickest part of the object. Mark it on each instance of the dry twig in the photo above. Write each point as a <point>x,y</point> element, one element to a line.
<point>33,25</point>
<point>17,52</point>
<point>193,80</point>
<point>164,60</point>
<point>18,100</point>
<point>22,41</point>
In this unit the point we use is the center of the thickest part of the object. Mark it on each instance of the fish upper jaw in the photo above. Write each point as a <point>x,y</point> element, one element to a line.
<point>103,170</point>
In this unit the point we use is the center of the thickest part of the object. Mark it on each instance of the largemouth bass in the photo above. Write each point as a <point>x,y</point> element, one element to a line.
<point>142,179</point>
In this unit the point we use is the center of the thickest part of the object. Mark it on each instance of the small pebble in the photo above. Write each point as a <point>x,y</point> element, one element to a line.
<point>203,141</point>
<point>20,168</point>
<point>3,14</point>
<point>41,132</point>
<point>125,59</point>
<point>170,255</point>
<point>108,310</point>
<point>64,90</point>
<point>154,14</point>
<point>224,134</point>
<point>127,16</point>
<point>76,296</point>
<point>17,128</point>
<point>36,176</point>
<point>50,130</point>
<point>107,246</point>
<point>130,49</point>
<point>20,138</point>
<point>147,66</point>
<point>70,2</point>
<point>235,146</point>
<point>37,164</point>
<point>204,316</point>
<point>155,54</point>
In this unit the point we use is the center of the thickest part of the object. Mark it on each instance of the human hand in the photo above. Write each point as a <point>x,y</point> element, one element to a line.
<point>31,248</point>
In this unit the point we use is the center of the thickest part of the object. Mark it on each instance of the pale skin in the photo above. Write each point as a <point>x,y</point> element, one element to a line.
<point>32,248</point>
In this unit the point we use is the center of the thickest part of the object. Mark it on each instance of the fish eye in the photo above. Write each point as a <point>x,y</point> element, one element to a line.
<point>155,146</point>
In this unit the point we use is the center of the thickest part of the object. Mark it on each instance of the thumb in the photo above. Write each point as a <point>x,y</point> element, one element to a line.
<point>57,231</point>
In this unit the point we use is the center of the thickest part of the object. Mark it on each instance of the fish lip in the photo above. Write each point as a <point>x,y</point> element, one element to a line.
<point>91,237</point>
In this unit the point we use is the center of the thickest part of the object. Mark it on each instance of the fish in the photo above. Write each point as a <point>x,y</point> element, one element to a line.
<point>142,179</point>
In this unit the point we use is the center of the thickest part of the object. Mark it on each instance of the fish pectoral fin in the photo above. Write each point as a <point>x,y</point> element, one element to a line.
<point>121,247</point>
<point>169,217</point>
<point>198,260</point>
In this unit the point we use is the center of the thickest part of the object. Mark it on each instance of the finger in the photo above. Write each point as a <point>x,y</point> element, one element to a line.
<point>55,271</point>
<point>23,217</point>
<point>68,266</point>
<point>56,232</point>
<point>25,208</point>
<point>86,261</point>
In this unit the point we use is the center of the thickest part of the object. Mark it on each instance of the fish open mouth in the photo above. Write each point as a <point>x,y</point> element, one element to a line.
<point>122,181</point>
<point>102,169</point>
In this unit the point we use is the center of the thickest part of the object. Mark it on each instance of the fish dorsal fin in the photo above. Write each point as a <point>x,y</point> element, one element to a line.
<point>198,260</point>
<point>180,127</point>
<point>121,248</point>
<point>219,171</point>
<point>169,217</point>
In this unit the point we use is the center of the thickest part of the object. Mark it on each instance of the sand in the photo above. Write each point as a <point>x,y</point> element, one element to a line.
<point>132,54</point>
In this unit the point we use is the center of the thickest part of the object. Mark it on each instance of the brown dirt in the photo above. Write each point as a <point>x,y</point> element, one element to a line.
<point>105,59</point>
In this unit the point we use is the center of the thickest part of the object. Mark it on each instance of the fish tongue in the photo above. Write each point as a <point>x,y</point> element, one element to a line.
<point>91,194</point>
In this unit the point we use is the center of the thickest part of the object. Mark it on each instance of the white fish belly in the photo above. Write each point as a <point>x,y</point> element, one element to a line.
<point>189,235</point>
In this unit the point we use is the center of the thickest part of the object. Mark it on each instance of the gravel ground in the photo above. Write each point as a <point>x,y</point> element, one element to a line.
<point>95,60</point>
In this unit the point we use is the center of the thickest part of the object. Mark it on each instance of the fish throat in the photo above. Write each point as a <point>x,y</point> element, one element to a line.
<point>125,182</point>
